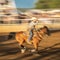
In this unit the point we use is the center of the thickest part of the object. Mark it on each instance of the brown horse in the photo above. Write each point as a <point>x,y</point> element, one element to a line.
<point>22,37</point>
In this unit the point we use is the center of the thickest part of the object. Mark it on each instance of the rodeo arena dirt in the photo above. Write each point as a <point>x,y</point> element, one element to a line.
<point>49,49</point>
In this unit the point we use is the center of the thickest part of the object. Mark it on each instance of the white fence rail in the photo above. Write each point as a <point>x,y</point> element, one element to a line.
<point>24,27</point>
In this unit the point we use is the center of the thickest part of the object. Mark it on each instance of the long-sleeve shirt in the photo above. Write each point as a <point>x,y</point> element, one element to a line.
<point>32,24</point>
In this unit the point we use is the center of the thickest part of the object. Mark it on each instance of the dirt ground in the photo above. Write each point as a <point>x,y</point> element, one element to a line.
<point>49,49</point>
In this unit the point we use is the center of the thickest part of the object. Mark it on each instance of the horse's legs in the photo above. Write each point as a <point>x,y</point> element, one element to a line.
<point>35,46</point>
<point>20,41</point>
<point>35,43</point>
<point>22,48</point>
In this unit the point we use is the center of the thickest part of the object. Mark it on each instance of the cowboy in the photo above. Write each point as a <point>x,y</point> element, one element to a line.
<point>31,27</point>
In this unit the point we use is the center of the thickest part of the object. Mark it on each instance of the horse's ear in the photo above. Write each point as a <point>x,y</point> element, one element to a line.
<point>45,27</point>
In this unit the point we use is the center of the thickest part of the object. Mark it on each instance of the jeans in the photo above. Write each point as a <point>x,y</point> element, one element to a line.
<point>30,34</point>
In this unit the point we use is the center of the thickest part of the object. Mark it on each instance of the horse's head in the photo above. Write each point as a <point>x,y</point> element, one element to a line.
<point>44,30</point>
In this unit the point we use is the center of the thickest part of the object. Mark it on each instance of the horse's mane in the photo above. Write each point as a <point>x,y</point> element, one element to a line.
<point>39,29</point>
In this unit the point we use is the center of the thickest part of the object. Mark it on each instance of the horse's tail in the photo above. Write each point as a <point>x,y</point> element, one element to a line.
<point>11,35</point>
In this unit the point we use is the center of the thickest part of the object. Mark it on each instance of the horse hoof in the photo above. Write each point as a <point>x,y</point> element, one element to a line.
<point>33,50</point>
<point>22,50</point>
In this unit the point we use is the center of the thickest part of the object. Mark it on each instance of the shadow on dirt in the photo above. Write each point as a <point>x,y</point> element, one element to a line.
<point>50,53</point>
<point>53,31</point>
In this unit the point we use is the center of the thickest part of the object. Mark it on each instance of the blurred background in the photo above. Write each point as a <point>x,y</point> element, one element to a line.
<point>17,11</point>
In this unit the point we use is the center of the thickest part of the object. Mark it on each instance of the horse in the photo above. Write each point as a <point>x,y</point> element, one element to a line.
<point>22,37</point>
